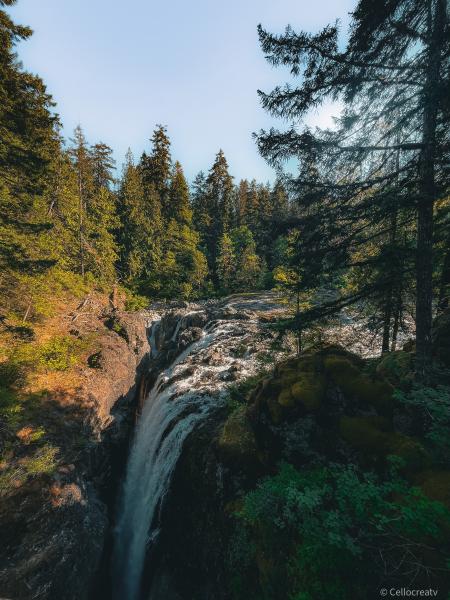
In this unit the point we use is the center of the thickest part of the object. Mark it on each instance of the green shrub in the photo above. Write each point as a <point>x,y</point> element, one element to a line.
<point>330,533</point>
<point>43,461</point>
<point>58,354</point>
<point>15,474</point>
<point>135,302</point>
<point>432,406</point>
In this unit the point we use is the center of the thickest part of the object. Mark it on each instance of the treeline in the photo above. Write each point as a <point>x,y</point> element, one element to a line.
<point>372,194</point>
<point>67,220</point>
<point>174,241</point>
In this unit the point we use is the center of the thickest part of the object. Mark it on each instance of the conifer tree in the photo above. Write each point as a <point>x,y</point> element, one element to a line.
<point>219,207</point>
<point>156,168</point>
<point>241,203</point>
<point>248,269</point>
<point>393,77</point>
<point>103,165</point>
<point>82,162</point>
<point>200,208</point>
<point>226,263</point>
<point>179,207</point>
<point>183,267</point>
<point>279,201</point>
<point>252,207</point>
<point>140,229</point>
<point>28,143</point>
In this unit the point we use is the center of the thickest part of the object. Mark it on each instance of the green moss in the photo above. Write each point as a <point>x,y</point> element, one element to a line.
<point>372,436</point>
<point>237,440</point>
<point>436,485</point>
<point>367,434</point>
<point>309,390</point>
<point>396,367</point>
<point>275,409</point>
<point>300,382</point>
<point>410,450</point>
<point>58,354</point>
<point>359,387</point>
<point>341,369</point>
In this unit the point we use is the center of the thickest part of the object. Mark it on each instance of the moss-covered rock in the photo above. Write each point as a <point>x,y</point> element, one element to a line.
<point>237,443</point>
<point>367,434</point>
<point>373,436</point>
<point>305,384</point>
<point>397,367</point>
<point>358,386</point>
<point>436,485</point>
<point>309,390</point>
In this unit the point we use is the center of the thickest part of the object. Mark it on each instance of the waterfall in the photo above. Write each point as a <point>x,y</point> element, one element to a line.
<point>182,396</point>
<point>170,413</point>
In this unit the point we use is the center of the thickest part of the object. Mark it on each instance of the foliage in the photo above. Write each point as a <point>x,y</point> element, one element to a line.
<point>432,406</point>
<point>58,354</point>
<point>322,533</point>
<point>42,462</point>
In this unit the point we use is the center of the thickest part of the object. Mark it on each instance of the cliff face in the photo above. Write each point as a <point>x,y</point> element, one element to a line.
<point>55,524</point>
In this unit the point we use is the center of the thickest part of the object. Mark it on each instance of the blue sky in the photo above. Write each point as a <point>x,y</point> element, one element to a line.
<point>118,68</point>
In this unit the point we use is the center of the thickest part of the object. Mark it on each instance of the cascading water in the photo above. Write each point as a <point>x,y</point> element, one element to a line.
<point>183,395</point>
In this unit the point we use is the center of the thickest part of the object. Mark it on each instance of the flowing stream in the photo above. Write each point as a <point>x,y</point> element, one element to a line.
<point>183,395</point>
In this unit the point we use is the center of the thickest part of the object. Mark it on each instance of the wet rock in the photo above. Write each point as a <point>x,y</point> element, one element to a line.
<point>189,336</point>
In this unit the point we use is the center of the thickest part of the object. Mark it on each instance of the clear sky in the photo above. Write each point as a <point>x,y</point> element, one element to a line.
<point>118,68</point>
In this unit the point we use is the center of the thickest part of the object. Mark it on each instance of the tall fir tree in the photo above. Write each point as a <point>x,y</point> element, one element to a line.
<point>29,140</point>
<point>156,167</point>
<point>179,207</point>
<point>219,207</point>
<point>392,77</point>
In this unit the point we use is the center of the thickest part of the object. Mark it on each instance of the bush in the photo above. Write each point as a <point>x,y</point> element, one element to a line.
<point>432,406</point>
<point>135,302</point>
<point>58,354</point>
<point>42,462</point>
<point>333,533</point>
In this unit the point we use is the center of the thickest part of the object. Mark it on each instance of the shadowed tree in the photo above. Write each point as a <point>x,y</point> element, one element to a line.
<point>393,77</point>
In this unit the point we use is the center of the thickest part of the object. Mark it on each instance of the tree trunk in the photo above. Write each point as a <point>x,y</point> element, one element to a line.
<point>427,194</point>
<point>80,220</point>
<point>387,322</point>
<point>299,329</point>
<point>397,316</point>
<point>444,288</point>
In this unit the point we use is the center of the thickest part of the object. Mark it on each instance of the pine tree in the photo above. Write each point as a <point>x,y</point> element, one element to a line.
<point>252,207</point>
<point>81,157</point>
<point>179,207</point>
<point>156,168</point>
<point>101,246</point>
<point>183,267</point>
<point>103,165</point>
<point>62,207</point>
<point>200,208</point>
<point>219,207</point>
<point>28,143</point>
<point>392,77</point>
<point>140,229</point>
<point>248,269</point>
<point>241,203</point>
<point>279,201</point>
<point>226,263</point>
